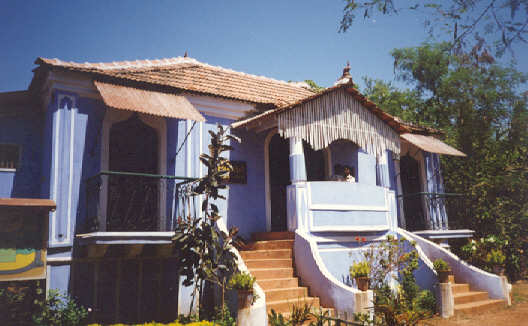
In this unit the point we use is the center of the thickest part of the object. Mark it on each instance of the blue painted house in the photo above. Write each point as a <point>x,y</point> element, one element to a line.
<point>115,144</point>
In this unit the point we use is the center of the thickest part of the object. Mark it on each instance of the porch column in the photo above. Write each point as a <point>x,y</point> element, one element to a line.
<point>297,164</point>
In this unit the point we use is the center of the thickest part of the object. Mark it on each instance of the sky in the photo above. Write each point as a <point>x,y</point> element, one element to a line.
<point>286,40</point>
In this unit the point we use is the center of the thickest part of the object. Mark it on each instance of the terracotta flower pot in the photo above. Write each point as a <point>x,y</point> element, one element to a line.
<point>443,276</point>
<point>362,283</point>
<point>245,298</point>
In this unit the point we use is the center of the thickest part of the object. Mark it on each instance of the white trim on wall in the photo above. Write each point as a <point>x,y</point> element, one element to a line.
<point>160,125</point>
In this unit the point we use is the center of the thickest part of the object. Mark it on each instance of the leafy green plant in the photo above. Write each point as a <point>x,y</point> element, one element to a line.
<point>319,317</point>
<point>441,265</point>
<point>241,281</point>
<point>60,310</point>
<point>19,301</point>
<point>277,319</point>
<point>359,269</point>
<point>495,257</point>
<point>223,317</point>
<point>299,314</point>
<point>395,259</point>
<point>204,250</point>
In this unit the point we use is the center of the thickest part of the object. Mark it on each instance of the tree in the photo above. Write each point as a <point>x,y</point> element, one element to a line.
<point>489,25</point>
<point>478,106</point>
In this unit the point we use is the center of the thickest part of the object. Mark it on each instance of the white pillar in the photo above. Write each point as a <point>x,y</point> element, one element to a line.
<point>297,163</point>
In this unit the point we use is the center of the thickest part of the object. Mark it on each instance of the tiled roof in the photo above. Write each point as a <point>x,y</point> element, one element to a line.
<point>188,74</point>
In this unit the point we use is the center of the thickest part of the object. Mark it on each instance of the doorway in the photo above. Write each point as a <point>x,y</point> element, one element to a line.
<point>279,179</point>
<point>133,200</point>
<point>411,187</point>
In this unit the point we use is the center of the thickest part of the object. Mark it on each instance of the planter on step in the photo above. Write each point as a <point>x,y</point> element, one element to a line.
<point>443,276</point>
<point>362,283</point>
<point>245,298</point>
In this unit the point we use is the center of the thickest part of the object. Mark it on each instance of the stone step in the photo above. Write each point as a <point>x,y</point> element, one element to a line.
<point>268,263</point>
<point>267,254</point>
<point>472,296</point>
<point>284,306</point>
<point>269,245</point>
<point>460,288</point>
<point>278,283</point>
<point>286,293</point>
<point>271,273</point>
<point>260,236</point>
<point>478,306</point>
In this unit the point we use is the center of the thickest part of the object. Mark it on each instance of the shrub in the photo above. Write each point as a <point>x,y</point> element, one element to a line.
<point>495,257</point>
<point>440,265</point>
<point>59,310</point>
<point>426,301</point>
<point>360,269</point>
<point>241,281</point>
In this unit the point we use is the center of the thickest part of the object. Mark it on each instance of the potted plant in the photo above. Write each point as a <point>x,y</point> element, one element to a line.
<point>243,282</point>
<point>442,269</point>
<point>360,272</point>
<point>496,259</point>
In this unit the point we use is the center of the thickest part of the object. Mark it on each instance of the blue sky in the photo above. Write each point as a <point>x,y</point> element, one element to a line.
<point>287,40</point>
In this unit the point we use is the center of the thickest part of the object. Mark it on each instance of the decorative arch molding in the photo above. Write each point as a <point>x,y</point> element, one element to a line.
<point>159,124</point>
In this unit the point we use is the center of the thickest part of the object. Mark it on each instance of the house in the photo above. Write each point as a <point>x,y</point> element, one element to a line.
<point>114,146</point>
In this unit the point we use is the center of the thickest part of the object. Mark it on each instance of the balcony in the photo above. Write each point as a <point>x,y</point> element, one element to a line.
<point>119,202</point>
<point>426,214</point>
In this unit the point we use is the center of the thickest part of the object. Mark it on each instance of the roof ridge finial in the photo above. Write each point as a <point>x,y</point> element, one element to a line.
<point>346,71</point>
<point>346,78</point>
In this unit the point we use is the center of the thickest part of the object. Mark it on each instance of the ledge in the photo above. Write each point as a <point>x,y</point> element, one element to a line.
<point>124,238</point>
<point>445,234</point>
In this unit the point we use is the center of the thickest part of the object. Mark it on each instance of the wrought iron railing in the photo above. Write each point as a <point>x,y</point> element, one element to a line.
<point>126,201</point>
<point>426,210</point>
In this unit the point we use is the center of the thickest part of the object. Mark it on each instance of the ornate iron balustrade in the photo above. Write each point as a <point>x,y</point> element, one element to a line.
<point>425,210</point>
<point>126,201</point>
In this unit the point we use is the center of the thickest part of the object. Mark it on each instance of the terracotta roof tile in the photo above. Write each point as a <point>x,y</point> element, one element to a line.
<point>191,75</point>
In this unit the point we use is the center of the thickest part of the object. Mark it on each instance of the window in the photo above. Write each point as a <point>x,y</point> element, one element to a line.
<point>9,156</point>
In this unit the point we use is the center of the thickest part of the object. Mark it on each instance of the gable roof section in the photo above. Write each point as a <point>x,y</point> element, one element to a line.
<point>187,74</point>
<point>394,122</point>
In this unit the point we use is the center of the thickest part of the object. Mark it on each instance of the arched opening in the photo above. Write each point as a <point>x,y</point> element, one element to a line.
<point>133,200</point>
<point>279,179</point>
<point>412,202</point>
<point>343,153</point>
<point>315,163</point>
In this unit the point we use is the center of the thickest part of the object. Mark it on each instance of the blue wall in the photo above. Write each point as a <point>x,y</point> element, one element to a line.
<point>245,206</point>
<point>24,130</point>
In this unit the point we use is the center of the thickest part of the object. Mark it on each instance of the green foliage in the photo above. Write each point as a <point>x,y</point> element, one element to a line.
<point>359,269</point>
<point>19,301</point>
<point>319,317</point>
<point>313,86</point>
<point>24,303</point>
<point>478,106</point>
<point>204,250</point>
<point>396,259</point>
<point>60,310</point>
<point>277,319</point>
<point>241,281</point>
<point>194,323</point>
<point>495,257</point>
<point>441,265</point>
<point>223,317</point>
<point>491,25</point>
<point>300,314</point>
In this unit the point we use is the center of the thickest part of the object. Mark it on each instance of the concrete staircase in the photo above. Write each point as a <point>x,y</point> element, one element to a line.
<point>472,302</point>
<point>269,259</point>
